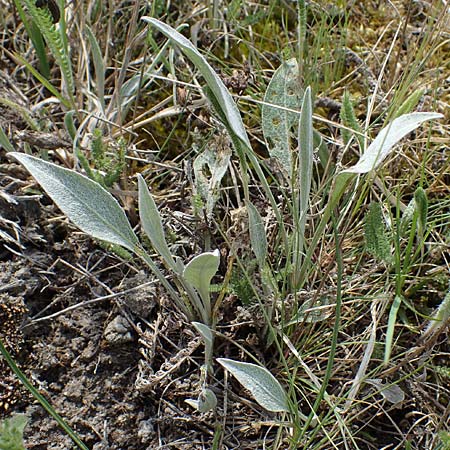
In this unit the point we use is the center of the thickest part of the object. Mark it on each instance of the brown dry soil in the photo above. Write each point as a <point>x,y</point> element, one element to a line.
<point>90,362</point>
<point>118,370</point>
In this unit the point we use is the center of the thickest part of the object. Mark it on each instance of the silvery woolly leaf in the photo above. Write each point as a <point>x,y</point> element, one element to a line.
<point>209,168</point>
<point>87,204</point>
<point>207,400</point>
<point>313,310</point>
<point>387,138</point>
<point>257,234</point>
<point>264,387</point>
<point>205,332</point>
<point>306,147</point>
<point>229,110</point>
<point>438,320</point>
<point>200,270</point>
<point>151,222</point>
<point>283,92</point>
<point>391,392</point>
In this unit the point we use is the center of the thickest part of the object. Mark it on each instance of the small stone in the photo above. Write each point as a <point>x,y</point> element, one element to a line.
<point>118,331</point>
<point>146,430</point>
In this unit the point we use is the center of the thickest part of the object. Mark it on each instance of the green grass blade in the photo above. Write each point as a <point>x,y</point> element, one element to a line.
<point>410,103</point>
<point>66,102</point>
<point>5,142</point>
<point>336,327</point>
<point>342,180</point>
<point>56,40</point>
<point>36,39</point>
<point>41,52</point>
<point>40,398</point>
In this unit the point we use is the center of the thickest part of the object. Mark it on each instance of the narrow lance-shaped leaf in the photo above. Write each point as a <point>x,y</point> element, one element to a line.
<point>387,138</point>
<point>221,94</point>
<point>305,157</point>
<point>391,327</point>
<point>257,234</point>
<point>87,204</point>
<point>151,222</point>
<point>206,334</point>
<point>264,387</point>
<point>208,339</point>
<point>303,181</point>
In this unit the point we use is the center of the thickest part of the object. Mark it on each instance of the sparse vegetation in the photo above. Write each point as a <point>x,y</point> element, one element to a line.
<point>282,170</point>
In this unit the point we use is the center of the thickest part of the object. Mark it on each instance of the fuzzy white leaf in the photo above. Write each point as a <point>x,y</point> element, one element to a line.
<point>87,204</point>
<point>223,97</point>
<point>257,234</point>
<point>264,387</point>
<point>207,400</point>
<point>200,270</point>
<point>151,222</point>
<point>206,333</point>
<point>391,392</point>
<point>209,169</point>
<point>284,90</point>
<point>387,138</point>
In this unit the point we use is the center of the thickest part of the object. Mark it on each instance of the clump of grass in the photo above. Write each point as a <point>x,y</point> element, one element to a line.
<point>317,226</point>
